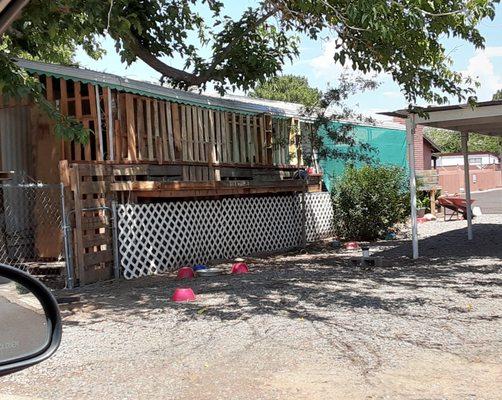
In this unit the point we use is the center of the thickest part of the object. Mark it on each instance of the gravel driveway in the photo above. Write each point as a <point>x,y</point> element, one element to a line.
<point>300,326</point>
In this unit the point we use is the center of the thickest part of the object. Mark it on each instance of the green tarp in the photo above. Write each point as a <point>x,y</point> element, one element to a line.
<point>390,146</point>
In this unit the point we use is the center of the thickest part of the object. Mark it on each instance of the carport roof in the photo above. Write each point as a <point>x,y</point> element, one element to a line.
<point>485,117</point>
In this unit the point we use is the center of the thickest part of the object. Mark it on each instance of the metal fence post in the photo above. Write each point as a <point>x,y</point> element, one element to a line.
<point>116,255</point>
<point>304,217</point>
<point>67,243</point>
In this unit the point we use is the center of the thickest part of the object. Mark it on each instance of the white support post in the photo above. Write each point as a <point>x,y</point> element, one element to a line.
<point>467,184</point>
<point>410,135</point>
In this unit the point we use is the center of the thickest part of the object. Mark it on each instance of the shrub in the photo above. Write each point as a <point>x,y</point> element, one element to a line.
<point>368,201</point>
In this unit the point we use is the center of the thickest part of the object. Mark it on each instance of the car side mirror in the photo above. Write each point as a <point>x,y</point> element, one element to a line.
<point>30,322</point>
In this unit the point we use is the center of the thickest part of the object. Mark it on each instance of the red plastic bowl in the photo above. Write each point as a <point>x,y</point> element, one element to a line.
<point>185,273</point>
<point>351,245</point>
<point>183,294</point>
<point>240,268</point>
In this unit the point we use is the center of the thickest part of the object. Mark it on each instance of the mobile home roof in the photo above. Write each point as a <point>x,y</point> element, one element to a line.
<point>112,81</point>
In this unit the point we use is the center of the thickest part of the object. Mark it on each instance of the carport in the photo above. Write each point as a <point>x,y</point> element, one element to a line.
<point>484,118</point>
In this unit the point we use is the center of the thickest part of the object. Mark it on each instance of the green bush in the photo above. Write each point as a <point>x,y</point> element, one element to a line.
<point>368,201</point>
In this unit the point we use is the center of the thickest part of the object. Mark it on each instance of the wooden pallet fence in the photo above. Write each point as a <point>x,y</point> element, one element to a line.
<point>92,233</point>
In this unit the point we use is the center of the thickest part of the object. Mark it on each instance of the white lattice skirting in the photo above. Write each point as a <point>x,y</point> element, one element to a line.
<point>159,237</point>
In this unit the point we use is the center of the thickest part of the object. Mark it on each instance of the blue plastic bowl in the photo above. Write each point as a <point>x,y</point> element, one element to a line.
<point>199,267</point>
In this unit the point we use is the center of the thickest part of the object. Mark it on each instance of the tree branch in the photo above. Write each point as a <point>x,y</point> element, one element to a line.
<point>156,64</point>
<point>188,78</point>
<point>228,48</point>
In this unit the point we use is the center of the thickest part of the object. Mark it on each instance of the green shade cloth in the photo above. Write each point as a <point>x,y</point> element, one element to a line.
<point>389,145</point>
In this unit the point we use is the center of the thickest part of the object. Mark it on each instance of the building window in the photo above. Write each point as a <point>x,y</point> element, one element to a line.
<point>475,160</point>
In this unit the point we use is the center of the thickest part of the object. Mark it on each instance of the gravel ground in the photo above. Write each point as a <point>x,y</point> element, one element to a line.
<point>299,326</point>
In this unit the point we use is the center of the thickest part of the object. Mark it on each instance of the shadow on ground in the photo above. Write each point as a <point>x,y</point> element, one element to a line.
<point>304,284</point>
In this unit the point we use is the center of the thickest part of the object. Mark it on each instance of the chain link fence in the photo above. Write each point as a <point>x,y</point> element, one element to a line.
<point>31,226</point>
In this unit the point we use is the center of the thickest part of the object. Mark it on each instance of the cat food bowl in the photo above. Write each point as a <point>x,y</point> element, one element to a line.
<point>240,268</point>
<point>185,273</point>
<point>183,294</point>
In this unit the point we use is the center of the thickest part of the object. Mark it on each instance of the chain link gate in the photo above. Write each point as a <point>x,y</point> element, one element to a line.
<point>31,236</point>
<point>159,237</point>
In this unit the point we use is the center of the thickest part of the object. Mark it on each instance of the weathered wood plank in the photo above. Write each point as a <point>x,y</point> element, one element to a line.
<point>228,127</point>
<point>108,122</point>
<point>131,131</point>
<point>184,141</point>
<point>176,131</point>
<point>87,147</point>
<point>64,110</point>
<point>96,240</point>
<point>256,141</point>
<point>64,96</point>
<point>189,134</point>
<point>149,132</point>
<point>242,140</point>
<point>94,169</point>
<point>195,130</point>
<point>77,147</point>
<point>201,134</point>
<point>124,170</point>
<point>249,141</point>
<point>170,133</point>
<point>94,187</point>
<point>217,134</point>
<point>156,128</point>
<point>212,156</point>
<point>235,140</point>
<point>121,128</point>
<point>266,123</point>
<point>49,89</point>
<point>77,231</point>
<point>98,257</point>
<point>163,130</point>
<point>140,124</point>
<point>90,203</point>
<point>159,149</point>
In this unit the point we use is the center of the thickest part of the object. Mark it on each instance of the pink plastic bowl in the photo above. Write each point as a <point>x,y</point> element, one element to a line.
<point>240,268</point>
<point>351,245</point>
<point>183,294</point>
<point>185,273</point>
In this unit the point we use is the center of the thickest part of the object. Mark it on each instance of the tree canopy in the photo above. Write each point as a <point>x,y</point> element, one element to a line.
<point>449,141</point>
<point>401,38</point>
<point>290,88</point>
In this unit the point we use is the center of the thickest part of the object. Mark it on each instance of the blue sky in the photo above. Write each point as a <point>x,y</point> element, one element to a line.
<point>315,62</point>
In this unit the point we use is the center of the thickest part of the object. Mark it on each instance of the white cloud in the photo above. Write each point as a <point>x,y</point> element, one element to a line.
<point>481,68</point>
<point>325,67</point>
<point>393,94</point>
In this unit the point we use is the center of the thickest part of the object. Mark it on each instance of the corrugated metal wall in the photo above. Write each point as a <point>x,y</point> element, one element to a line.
<point>14,141</point>
<point>15,153</point>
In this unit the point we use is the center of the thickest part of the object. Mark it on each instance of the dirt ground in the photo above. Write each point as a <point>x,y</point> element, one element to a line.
<point>299,326</point>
